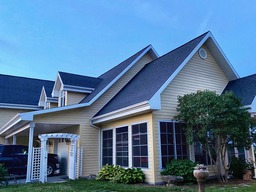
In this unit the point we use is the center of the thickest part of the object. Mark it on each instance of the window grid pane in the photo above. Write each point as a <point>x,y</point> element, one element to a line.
<point>140,145</point>
<point>122,153</point>
<point>169,130</point>
<point>107,149</point>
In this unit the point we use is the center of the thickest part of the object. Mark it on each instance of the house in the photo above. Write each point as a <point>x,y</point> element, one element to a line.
<point>123,117</point>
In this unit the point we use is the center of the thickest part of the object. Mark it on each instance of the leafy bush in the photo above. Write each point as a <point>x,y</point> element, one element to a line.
<point>3,172</point>
<point>237,167</point>
<point>180,167</point>
<point>119,174</point>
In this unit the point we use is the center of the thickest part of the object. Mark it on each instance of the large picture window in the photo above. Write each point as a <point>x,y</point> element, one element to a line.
<point>173,142</point>
<point>122,154</point>
<point>107,157</point>
<point>139,145</point>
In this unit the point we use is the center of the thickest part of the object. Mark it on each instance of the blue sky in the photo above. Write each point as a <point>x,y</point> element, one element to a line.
<point>38,38</point>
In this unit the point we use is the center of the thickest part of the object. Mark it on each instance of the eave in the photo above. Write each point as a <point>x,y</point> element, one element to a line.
<point>132,110</point>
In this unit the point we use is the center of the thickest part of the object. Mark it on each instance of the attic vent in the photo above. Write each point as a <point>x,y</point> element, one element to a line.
<point>202,53</point>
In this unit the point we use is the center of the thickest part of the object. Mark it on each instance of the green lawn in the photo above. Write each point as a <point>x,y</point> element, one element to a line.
<point>102,186</point>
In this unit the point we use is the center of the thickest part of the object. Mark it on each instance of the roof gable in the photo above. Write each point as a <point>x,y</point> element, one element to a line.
<point>156,76</point>
<point>244,88</point>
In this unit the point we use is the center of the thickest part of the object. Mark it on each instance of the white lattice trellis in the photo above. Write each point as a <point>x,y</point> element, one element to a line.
<point>79,162</point>
<point>36,164</point>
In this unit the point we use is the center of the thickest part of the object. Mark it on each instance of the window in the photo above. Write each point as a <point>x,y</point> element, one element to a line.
<point>107,157</point>
<point>202,155</point>
<point>173,142</point>
<point>63,98</point>
<point>139,145</point>
<point>122,154</point>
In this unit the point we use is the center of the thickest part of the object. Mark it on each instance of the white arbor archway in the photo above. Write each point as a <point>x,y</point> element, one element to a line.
<point>72,154</point>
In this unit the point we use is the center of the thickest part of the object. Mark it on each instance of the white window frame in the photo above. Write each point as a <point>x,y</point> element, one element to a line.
<point>174,140</point>
<point>130,157</point>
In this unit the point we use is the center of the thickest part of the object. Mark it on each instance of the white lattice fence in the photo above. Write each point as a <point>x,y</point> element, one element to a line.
<point>79,162</point>
<point>36,160</point>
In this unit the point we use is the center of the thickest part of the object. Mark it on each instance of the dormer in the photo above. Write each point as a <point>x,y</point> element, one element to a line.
<point>46,101</point>
<point>72,88</point>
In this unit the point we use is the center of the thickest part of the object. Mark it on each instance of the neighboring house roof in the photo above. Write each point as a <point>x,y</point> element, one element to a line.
<point>113,73</point>
<point>21,90</point>
<point>244,88</point>
<point>79,80</point>
<point>148,84</point>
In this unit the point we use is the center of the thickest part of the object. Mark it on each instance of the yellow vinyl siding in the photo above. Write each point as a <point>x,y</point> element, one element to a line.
<point>89,135</point>
<point>145,118</point>
<point>74,97</point>
<point>197,74</point>
<point>7,114</point>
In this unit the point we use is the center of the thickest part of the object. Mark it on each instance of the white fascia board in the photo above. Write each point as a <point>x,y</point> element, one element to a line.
<point>17,131</point>
<point>42,98</point>
<point>121,113</point>
<point>155,101</point>
<point>10,123</point>
<point>58,81</point>
<point>223,54</point>
<point>19,106</point>
<point>29,115</point>
<point>77,89</point>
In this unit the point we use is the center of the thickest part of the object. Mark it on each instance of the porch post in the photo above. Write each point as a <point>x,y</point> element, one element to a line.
<point>44,156</point>
<point>14,138</point>
<point>30,151</point>
<point>72,160</point>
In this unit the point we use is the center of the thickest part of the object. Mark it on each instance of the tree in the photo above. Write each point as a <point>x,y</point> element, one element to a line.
<point>215,120</point>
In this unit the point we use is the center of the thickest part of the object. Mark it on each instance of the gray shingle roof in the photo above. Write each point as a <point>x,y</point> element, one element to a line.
<point>111,75</point>
<point>244,88</point>
<point>149,80</point>
<point>22,90</point>
<point>79,80</point>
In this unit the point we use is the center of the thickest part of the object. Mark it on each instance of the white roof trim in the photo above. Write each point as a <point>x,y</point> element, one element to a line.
<point>29,115</point>
<point>19,106</point>
<point>55,92</point>
<point>42,98</point>
<point>155,101</point>
<point>77,89</point>
<point>124,112</point>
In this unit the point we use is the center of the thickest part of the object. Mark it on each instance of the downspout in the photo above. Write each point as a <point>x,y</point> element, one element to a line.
<point>99,143</point>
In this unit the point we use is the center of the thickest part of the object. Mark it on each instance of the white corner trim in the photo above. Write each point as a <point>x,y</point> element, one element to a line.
<point>155,101</point>
<point>127,111</point>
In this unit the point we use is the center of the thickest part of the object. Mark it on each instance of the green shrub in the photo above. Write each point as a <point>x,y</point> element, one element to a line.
<point>180,167</point>
<point>3,172</point>
<point>237,167</point>
<point>119,174</point>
